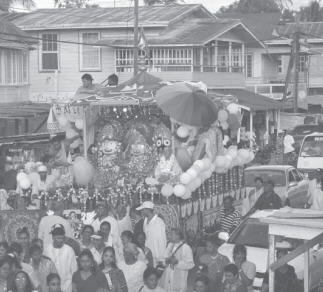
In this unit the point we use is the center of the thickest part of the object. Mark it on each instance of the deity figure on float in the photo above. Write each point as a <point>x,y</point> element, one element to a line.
<point>167,169</point>
<point>139,159</point>
<point>109,154</point>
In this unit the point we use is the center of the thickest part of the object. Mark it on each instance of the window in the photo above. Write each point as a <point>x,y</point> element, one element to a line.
<point>276,176</point>
<point>13,67</point>
<point>90,56</point>
<point>291,177</point>
<point>302,63</point>
<point>280,64</point>
<point>49,52</point>
<point>124,60</point>
<point>249,66</point>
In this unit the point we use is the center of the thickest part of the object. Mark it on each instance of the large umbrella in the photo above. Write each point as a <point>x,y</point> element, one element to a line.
<point>187,104</point>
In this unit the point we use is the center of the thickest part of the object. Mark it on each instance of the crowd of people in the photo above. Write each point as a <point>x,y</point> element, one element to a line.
<point>136,258</point>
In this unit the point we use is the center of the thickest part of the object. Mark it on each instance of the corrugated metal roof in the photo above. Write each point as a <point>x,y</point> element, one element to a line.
<point>260,24</point>
<point>103,17</point>
<point>312,29</point>
<point>12,37</point>
<point>189,32</point>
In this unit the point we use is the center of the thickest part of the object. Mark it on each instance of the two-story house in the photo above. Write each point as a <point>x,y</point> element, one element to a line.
<point>186,42</point>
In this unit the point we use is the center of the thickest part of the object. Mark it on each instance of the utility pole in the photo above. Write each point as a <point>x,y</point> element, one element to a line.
<point>135,38</point>
<point>296,63</point>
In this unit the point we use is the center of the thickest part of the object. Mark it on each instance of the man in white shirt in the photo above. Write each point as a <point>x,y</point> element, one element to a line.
<point>63,257</point>
<point>102,215</point>
<point>47,222</point>
<point>288,147</point>
<point>155,230</point>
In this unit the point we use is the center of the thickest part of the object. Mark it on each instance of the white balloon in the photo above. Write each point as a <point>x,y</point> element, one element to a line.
<point>179,191</point>
<point>63,121</point>
<point>192,173</point>
<point>207,163</point>
<point>187,195</point>
<point>25,183</point>
<point>200,164</point>
<point>182,132</point>
<point>185,178</point>
<point>21,176</point>
<point>167,190</point>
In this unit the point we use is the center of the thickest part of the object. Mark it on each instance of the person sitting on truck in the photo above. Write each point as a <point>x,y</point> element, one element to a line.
<point>88,87</point>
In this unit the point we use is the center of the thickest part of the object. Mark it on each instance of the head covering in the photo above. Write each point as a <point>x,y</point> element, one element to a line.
<point>146,205</point>
<point>87,76</point>
<point>96,236</point>
<point>42,168</point>
<point>58,229</point>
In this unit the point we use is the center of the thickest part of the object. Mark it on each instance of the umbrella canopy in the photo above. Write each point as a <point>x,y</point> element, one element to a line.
<point>142,80</point>
<point>187,104</point>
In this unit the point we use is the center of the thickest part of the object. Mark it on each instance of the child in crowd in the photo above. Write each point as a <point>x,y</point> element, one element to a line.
<point>232,283</point>
<point>127,238</point>
<point>202,284</point>
<point>214,262</point>
<point>141,242</point>
<point>151,281</point>
<point>54,283</point>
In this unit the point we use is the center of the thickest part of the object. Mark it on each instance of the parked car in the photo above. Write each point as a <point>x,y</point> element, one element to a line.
<point>289,182</point>
<point>253,234</point>
<point>299,132</point>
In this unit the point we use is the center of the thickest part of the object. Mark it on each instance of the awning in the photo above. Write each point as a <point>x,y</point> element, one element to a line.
<point>27,109</point>
<point>254,101</point>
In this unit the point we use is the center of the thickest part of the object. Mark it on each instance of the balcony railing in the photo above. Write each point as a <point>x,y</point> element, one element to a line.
<point>272,90</point>
<point>184,68</point>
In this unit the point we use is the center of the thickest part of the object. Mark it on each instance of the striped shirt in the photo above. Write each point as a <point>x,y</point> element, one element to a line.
<point>229,221</point>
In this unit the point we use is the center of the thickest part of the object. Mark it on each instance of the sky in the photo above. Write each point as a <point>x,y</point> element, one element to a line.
<point>212,5</point>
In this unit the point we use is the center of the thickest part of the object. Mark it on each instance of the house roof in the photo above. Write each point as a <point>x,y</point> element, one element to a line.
<point>312,29</point>
<point>75,18</point>
<point>189,32</point>
<point>12,37</point>
<point>261,24</point>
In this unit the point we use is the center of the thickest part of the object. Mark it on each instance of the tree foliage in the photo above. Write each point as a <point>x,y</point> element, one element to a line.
<point>256,6</point>
<point>5,5</point>
<point>161,2</point>
<point>312,13</point>
<point>74,4</point>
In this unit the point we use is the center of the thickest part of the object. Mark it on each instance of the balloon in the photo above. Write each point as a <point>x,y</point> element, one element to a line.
<point>182,132</point>
<point>222,115</point>
<point>209,174</point>
<point>183,158</point>
<point>233,151</point>
<point>63,121</point>
<point>191,186</point>
<point>219,161</point>
<point>25,183</point>
<point>233,122</point>
<point>243,154</point>
<point>187,195</point>
<point>228,161</point>
<point>200,164</point>
<point>207,163</point>
<point>185,178</point>
<point>198,182</point>
<point>79,124</point>
<point>196,168</point>
<point>233,108</point>
<point>192,173</point>
<point>203,175</point>
<point>167,190</point>
<point>179,190</point>
<point>224,125</point>
<point>251,156</point>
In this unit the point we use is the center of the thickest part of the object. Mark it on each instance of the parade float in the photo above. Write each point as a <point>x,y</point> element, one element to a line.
<point>151,140</point>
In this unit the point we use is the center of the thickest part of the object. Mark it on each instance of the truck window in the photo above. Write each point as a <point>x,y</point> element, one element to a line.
<point>312,147</point>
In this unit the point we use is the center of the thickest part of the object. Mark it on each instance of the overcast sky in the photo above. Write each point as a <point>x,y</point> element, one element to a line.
<point>212,5</point>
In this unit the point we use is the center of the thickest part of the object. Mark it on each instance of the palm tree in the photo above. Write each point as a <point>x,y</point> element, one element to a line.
<point>162,2</point>
<point>5,5</point>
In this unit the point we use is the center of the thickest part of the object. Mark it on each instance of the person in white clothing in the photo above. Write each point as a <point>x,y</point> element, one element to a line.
<point>47,222</point>
<point>132,268</point>
<point>97,248</point>
<point>315,192</point>
<point>289,148</point>
<point>179,260</point>
<point>102,215</point>
<point>155,230</point>
<point>63,257</point>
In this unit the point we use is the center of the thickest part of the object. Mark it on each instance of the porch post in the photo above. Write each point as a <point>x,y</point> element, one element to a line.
<point>267,128</point>
<point>272,258</point>
<point>306,271</point>
<point>216,56</point>
<point>230,56</point>
<point>201,59</point>
<point>251,126</point>
<point>243,58</point>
